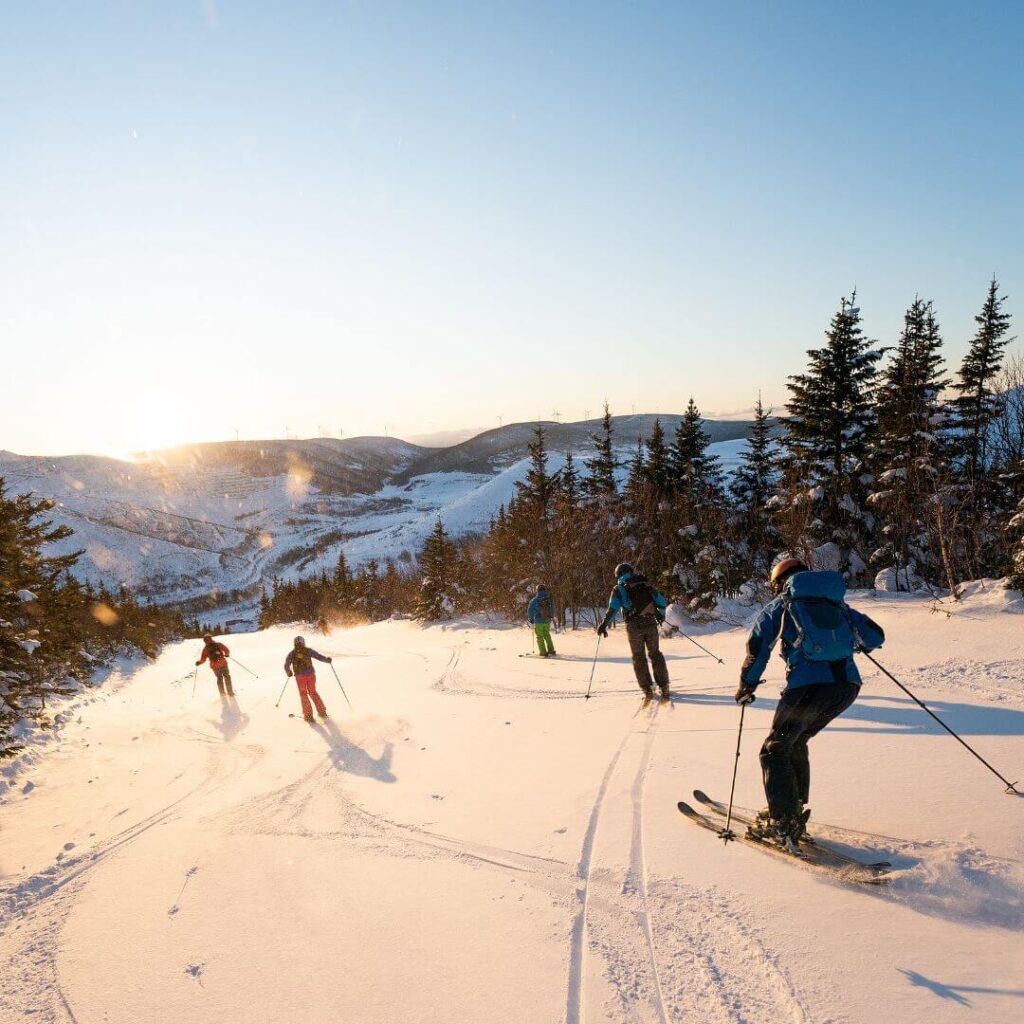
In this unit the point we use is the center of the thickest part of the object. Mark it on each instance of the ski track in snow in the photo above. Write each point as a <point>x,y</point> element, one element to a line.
<point>42,902</point>
<point>640,948</point>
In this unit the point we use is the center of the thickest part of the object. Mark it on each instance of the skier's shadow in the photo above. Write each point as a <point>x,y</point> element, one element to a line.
<point>887,714</point>
<point>349,757</point>
<point>955,993</point>
<point>232,720</point>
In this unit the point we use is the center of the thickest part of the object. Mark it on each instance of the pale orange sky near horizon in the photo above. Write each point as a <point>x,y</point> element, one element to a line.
<point>401,219</point>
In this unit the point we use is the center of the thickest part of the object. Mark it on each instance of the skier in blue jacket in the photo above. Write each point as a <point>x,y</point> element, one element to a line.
<point>539,613</point>
<point>820,633</point>
<point>643,608</point>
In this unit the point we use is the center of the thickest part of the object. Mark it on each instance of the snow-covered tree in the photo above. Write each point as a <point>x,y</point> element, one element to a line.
<point>752,489</point>
<point>438,568</point>
<point>697,474</point>
<point>828,431</point>
<point>908,453</point>
<point>976,408</point>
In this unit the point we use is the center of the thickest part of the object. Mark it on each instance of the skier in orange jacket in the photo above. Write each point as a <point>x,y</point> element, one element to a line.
<point>218,655</point>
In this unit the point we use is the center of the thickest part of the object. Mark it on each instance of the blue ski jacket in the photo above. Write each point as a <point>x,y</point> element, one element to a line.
<point>535,614</point>
<point>776,623</point>
<point>619,600</point>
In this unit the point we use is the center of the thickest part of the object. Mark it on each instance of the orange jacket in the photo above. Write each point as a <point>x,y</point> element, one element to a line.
<point>217,653</point>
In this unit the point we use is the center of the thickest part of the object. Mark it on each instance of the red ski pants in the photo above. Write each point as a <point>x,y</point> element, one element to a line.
<point>307,692</point>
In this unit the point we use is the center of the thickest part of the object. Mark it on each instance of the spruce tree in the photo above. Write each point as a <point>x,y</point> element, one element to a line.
<point>1015,528</point>
<point>752,488</point>
<point>600,482</point>
<point>908,451</point>
<point>436,600</point>
<point>658,467</point>
<point>697,475</point>
<point>829,429</point>
<point>43,623</point>
<point>975,409</point>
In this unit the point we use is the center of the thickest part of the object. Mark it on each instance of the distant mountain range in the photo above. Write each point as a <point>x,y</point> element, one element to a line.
<point>223,518</point>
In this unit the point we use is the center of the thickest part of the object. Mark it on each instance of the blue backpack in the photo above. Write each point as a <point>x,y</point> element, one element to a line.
<point>815,603</point>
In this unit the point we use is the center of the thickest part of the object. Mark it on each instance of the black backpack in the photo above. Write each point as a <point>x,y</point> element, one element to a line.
<point>546,610</point>
<point>302,663</point>
<point>641,597</point>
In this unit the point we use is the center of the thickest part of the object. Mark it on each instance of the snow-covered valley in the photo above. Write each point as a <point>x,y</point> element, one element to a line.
<point>185,526</point>
<point>474,842</point>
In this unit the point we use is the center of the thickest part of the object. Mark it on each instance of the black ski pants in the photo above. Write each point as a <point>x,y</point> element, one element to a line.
<point>643,643</point>
<point>224,681</point>
<point>801,714</point>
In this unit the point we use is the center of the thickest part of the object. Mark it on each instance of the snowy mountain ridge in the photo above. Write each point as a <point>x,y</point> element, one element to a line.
<point>223,517</point>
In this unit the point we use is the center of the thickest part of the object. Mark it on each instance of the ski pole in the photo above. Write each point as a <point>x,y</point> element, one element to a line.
<point>195,679</point>
<point>533,640</point>
<point>704,649</point>
<point>283,688</point>
<point>727,833</point>
<point>1010,786</point>
<point>336,676</point>
<point>240,665</point>
<point>593,666</point>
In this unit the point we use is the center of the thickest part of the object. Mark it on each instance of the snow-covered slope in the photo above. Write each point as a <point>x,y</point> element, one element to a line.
<point>476,843</point>
<point>224,517</point>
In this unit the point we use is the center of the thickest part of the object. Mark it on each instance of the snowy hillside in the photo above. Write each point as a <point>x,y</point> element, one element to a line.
<point>475,843</point>
<point>224,517</point>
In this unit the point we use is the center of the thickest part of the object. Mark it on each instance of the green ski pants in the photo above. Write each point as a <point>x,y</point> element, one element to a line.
<point>544,645</point>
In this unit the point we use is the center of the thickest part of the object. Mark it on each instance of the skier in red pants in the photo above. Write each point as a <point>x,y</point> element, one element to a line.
<point>300,662</point>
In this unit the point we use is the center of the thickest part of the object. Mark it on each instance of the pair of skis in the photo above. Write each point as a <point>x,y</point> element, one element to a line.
<point>812,852</point>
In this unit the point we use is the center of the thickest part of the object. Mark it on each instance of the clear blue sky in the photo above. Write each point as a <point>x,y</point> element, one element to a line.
<point>230,215</point>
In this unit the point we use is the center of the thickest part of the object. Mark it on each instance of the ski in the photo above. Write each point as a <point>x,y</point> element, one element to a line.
<point>848,872</point>
<point>539,657</point>
<point>744,816</point>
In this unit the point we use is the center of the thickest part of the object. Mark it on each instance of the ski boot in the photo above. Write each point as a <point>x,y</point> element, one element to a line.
<point>665,696</point>
<point>783,832</point>
<point>308,718</point>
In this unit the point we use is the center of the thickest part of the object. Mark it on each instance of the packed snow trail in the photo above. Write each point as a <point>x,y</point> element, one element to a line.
<point>478,843</point>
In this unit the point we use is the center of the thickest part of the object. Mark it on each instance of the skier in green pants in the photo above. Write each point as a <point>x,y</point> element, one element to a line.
<point>540,613</point>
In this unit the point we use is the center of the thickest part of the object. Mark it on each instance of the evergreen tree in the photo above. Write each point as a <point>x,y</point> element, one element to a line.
<point>829,428</point>
<point>437,562</point>
<point>908,451</point>
<point>600,482</point>
<point>975,409</point>
<point>697,475</point>
<point>752,488</point>
<point>1015,528</point>
<point>977,405</point>
<point>658,467</point>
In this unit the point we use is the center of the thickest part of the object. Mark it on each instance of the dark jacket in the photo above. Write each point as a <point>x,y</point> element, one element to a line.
<point>305,664</point>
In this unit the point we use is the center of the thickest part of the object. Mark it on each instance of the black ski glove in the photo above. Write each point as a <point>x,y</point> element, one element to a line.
<point>745,694</point>
<point>602,630</point>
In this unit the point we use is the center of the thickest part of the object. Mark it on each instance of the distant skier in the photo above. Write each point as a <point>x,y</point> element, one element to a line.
<point>539,614</point>
<point>300,662</point>
<point>820,633</point>
<point>643,608</point>
<point>218,656</point>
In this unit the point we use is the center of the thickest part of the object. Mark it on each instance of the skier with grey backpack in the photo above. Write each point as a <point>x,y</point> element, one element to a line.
<point>820,633</point>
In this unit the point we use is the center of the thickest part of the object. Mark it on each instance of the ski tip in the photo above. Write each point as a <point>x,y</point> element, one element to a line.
<point>699,794</point>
